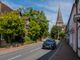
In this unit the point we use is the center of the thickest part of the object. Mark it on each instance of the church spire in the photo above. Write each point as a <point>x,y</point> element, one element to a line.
<point>59,21</point>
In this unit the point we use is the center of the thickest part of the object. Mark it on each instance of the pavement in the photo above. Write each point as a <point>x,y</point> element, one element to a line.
<point>31,52</point>
<point>12,49</point>
<point>34,52</point>
<point>65,52</point>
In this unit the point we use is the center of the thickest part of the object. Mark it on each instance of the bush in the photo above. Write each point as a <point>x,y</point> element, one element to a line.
<point>28,40</point>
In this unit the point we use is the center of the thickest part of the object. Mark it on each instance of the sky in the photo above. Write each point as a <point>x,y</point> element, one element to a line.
<point>50,7</point>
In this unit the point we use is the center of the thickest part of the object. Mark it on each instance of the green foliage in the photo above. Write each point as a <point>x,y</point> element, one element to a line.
<point>34,30</point>
<point>38,24</point>
<point>55,31</point>
<point>28,40</point>
<point>62,34</point>
<point>11,24</point>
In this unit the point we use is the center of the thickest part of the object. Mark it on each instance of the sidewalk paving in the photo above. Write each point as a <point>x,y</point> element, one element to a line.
<point>12,49</point>
<point>65,53</point>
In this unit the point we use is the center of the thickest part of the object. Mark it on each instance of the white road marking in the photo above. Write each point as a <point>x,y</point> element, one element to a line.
<point>35,49</point>
<point>15,57</point>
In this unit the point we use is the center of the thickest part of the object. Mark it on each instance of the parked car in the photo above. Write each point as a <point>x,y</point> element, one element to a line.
<point>49,43</point>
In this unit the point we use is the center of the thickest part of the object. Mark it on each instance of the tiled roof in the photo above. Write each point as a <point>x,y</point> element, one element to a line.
<point>4,8</point>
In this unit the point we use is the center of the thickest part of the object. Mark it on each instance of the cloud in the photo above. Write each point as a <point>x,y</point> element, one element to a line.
<point>66,9</point>
<point>52,18</point>
<point>50,7</point>
<point>11,4</point>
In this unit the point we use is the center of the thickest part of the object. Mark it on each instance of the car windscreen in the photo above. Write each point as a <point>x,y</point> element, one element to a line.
<point>49,41</point>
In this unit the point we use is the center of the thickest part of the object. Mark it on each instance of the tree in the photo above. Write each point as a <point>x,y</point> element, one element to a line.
<point>39,18</point>
<point>62,35</point>
<point>43,22</point>
<point>34,30</point>
<point>55,32</point>
<point>11,24</point>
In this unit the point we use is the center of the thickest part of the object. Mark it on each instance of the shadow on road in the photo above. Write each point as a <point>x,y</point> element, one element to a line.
<point>47,55</point>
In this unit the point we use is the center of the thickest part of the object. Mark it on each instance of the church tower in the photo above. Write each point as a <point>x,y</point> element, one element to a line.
<point>59,21</point>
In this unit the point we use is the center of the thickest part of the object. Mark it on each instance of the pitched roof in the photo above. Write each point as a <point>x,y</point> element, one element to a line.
<point>4,8</point>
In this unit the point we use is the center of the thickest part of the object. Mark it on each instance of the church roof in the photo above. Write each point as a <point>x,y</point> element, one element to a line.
<point>59,17</point>
<point>4,8</point>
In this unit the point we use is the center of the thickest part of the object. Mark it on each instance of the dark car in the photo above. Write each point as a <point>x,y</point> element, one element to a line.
<point>49,43</point>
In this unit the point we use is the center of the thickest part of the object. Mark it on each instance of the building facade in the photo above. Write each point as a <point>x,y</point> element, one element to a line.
<point>4,8</point>
<point>78,26</point>
<point>73,30</point>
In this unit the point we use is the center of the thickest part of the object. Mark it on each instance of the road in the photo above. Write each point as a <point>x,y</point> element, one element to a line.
<point>32,52</point>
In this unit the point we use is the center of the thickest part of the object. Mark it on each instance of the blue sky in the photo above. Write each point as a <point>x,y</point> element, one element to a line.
<point>50,7</point>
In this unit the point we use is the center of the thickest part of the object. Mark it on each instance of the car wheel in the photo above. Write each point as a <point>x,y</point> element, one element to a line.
<point>53,48</point>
